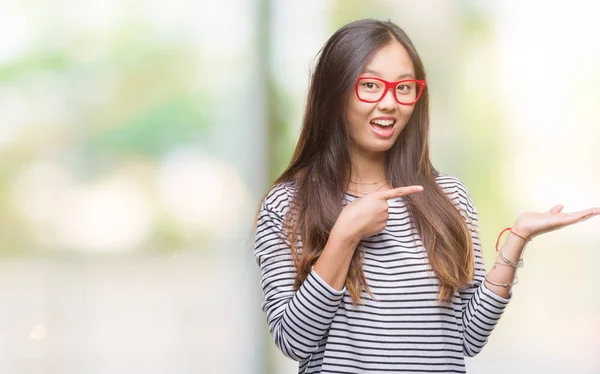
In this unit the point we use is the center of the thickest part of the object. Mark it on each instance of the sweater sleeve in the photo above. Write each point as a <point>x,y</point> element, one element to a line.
<point>298,319</point>
<point>481,308</point>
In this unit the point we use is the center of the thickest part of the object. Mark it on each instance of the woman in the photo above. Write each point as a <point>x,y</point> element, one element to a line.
<point>370,258</point>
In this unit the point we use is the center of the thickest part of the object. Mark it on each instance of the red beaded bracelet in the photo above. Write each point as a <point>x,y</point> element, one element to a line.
<point>505,230</point>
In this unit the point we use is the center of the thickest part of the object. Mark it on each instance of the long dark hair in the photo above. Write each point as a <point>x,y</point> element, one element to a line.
<point>320,166</point>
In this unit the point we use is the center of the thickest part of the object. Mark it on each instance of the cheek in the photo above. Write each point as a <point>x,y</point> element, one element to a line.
<point>406,112</point>
<point>404,115</point>
<point>357,116</point>
<point>360,111</point>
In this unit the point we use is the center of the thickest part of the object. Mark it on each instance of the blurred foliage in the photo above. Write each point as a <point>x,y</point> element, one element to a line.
<point>481,130</point>
<point>152,131</point>
<point>281,138</point>
<point>127,96</point>
<point>33,62</point>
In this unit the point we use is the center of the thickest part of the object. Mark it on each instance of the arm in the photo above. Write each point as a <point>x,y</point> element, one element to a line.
<point>527,226</point>
<point>298,319</point>
<point>482,302</point>
<point>481,306</point>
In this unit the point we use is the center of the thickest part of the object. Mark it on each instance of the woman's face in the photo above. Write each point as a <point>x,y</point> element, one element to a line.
<point>369,123</point>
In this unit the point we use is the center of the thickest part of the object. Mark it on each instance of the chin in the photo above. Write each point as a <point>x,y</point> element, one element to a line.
<point>380,146</point>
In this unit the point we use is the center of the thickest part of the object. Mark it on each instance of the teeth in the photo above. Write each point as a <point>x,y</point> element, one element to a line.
<point>384,122</point>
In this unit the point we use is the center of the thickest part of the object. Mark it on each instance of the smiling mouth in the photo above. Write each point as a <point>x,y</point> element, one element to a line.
<point>383,128</point>
<point>384,123</point>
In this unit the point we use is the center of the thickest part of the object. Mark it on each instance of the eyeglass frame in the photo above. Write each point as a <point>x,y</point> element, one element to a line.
<point>422,84</point>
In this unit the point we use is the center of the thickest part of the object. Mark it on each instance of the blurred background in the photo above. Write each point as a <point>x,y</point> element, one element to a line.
<point>137,139</point>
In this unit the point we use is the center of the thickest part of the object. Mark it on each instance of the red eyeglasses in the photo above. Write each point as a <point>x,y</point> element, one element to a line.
<point>372,90</point>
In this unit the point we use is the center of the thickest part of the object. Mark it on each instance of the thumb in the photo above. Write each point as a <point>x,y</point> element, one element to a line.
<point>399,191</point>
<point>556,209</point>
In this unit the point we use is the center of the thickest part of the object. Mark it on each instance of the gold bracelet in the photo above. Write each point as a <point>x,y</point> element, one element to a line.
<point>518,264</point>
<point>503,285</point>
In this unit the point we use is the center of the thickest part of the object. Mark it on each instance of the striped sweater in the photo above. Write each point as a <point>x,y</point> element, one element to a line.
<point>405,329</point>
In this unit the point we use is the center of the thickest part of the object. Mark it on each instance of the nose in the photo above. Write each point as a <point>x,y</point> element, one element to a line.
<point>388,101</point>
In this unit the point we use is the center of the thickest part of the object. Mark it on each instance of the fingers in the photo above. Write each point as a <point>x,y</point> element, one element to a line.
<point>399,191</point>
<point>583,215</point>
<point>589,213</point>
<point>585,218</point>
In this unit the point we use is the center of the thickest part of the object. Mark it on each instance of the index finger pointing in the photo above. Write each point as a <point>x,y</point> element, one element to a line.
<point>400,191</point>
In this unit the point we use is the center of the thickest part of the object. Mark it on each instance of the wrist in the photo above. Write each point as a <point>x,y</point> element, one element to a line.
<point>522,229</point>
<point>344,235</point>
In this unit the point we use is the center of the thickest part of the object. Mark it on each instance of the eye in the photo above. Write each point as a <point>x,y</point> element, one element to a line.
<point>369,85</point>
<point>404,88</point>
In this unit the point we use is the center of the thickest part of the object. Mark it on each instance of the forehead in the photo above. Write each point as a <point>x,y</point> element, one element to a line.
<point>390,62</point>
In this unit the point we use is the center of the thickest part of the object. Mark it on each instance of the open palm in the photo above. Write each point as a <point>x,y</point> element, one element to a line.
<point>532,224</point>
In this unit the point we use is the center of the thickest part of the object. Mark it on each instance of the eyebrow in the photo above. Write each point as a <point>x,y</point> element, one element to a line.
<point>401,76</point>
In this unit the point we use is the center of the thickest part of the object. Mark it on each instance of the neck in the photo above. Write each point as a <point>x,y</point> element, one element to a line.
<point>367,167</point>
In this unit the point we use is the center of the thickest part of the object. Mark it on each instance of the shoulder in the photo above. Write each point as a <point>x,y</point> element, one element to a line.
<point>451,184</point>
<point>457,191</point>
<point>278,198</point>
